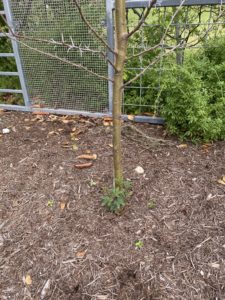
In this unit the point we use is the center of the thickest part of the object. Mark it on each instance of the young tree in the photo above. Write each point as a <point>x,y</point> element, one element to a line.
<point>122,37</point>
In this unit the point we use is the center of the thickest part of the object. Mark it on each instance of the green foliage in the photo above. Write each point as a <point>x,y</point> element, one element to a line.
<point>151,204</point>
<point>194,95</point>
<point>139,244</point>
<point>115,198</point>
<point>191,97</point>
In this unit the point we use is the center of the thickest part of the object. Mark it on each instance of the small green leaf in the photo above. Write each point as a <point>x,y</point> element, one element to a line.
<point>151,204</point>
<point>50,203</point>
<point>139,244</point>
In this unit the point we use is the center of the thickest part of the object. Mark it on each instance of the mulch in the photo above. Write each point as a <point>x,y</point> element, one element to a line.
<point>58,242</point>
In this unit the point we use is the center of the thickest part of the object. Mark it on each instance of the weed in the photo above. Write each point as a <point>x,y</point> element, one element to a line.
<point>151,204</point>
<point>115,199</point>
<point>50,203</point>
<point>139,244</point>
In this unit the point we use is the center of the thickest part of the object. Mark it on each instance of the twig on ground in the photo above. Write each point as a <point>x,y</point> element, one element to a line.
<point>154,141</point>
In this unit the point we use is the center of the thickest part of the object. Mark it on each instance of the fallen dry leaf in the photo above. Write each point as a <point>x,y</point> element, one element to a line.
<point>84,166</point>
<point>66,121</point>
<point>52,118</point>
<point>52,132</point>
<point>62,205</point>
<point>28,279</point>
<point>88,156</point>
<point>2,111</point>
<point>222,180</point>
<point>131,117</point>
<point>107,121</point>
<point>80,254</point>
<point>182,146</point>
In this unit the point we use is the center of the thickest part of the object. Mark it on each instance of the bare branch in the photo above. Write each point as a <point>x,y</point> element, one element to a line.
<point>143,18</point>
<point>97,35</point>
<point>158,58</point>
<point>79,66</point>
<point>164,35</point>
<point>69,46</point>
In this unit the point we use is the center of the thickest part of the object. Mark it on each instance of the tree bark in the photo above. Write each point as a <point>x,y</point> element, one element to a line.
<point>121,40</point>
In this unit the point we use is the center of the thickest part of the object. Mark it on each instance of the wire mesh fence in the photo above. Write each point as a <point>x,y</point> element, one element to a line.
<point>192,29</point>
<point>48,27</point>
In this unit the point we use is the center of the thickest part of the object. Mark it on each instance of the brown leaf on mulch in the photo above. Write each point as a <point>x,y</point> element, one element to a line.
<point>87,156</point>
<point>40,113</point>
<point>84,166</point>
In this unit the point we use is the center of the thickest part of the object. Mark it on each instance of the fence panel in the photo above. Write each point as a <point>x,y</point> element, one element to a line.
<point>53,29</point>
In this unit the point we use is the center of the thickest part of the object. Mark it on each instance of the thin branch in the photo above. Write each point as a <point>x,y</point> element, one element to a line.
<point>79,66</point>
<point>143,18</point>
<point>164,35</point>
<point>158,58</point>
<point>153,140</point>
<point>62,43</point>
<point>84,19</point>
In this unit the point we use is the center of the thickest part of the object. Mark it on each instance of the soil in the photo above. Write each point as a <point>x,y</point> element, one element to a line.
<point>58,242</point>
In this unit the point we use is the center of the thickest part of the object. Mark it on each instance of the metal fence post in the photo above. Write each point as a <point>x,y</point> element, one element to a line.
<point>9,18</point>
<point>110,37</point>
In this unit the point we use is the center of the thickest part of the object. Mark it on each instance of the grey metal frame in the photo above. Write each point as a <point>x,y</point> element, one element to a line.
<point>110,36</point>
<point>110,31</point>
<point>172,3</point>
<point>9,18</point>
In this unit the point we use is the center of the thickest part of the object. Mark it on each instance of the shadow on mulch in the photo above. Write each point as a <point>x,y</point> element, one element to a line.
<point>58,242</point>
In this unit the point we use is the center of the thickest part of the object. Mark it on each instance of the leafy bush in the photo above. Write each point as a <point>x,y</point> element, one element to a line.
<point>187,108</point>
<point>191,97</point>
<point>194,95</point>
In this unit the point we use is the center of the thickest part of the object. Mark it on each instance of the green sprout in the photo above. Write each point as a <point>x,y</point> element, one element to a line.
<point>139,244</point>
<point>151,204</point>
<point>50,203</point>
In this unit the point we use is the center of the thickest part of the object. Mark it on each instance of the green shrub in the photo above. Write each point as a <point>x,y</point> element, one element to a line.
<point>191,97</point>
<point>187,107</point>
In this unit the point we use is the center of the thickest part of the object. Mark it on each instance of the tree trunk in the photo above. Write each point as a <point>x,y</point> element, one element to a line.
<point>121,40</point>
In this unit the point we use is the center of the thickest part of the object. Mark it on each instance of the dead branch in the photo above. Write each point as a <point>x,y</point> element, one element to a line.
<point>164,35</point>
<point>143,18</point>
<point>154,141</point>
<point>97,35</point>
<point>79,66</point>
<point>152,63</point>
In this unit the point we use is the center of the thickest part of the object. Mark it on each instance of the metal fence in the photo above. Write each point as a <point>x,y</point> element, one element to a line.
<point>59,87</point>
<point>196,24</point>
